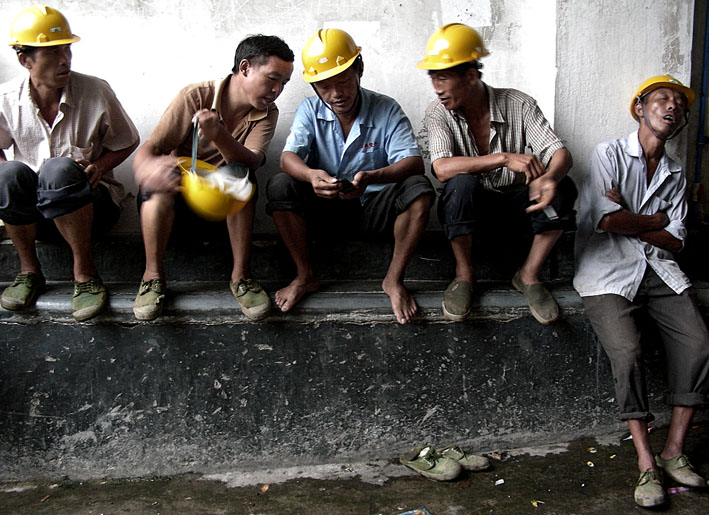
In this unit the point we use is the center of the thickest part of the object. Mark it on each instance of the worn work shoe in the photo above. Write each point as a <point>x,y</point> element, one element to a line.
<point>427,462</point>
<point>541,303</point>
<point>22,292</point>
<point>254,302</point>
<point>467,461</point>
<point>89,299</point>
<point>649,491</point>
<point>680,470</point>
<point>149,301</point>
<point>457,300</point>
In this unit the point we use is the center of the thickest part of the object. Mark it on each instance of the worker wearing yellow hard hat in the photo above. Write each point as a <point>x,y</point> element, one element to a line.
<point>351,163</point>
<point>632,210</point>
<point>496,154</point>
<point>220,147</point>
<point>67,132</point>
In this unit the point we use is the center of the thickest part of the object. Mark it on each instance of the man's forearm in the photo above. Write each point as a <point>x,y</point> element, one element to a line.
<point>631,224</point>
<point>448,167</point>
<point>662,239</point>
<point>560,164</point>
<point>396,172</point>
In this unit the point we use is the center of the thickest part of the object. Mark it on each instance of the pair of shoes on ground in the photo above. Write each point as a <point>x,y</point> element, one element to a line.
<point>649,490</point>
<point>88,299</point>
<point>442,464</point>
<point>458,300</point>
<point>254,301</point>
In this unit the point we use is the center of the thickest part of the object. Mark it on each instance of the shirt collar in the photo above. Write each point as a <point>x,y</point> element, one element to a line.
<point>632,148</point>
<point>219,86</point>
<point>25,98</point>
<point>496,115</point>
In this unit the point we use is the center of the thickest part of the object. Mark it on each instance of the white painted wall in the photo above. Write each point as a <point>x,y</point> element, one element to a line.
<point>149,49</point>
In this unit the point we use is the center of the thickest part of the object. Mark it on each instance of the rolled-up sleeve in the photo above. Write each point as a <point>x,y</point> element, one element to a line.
<point>602,176</point>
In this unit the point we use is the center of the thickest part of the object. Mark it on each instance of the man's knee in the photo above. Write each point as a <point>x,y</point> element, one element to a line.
<point>61,172</point>
<point>282,193</point>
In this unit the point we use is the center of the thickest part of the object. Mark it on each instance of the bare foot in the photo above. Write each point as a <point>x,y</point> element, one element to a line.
<point>402,302</point>
<point>289,296</point>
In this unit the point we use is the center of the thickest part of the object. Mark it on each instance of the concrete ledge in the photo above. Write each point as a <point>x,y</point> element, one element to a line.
<point>338,382</point>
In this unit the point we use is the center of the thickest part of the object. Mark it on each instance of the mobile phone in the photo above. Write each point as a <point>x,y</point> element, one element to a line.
<point>346,186</point>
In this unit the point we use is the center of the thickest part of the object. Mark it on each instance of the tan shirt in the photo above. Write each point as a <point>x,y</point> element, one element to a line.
<point>90,121</point>
<point>173,133</point>
<point>517,125</point>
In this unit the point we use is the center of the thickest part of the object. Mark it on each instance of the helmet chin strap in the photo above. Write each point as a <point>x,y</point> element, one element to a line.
<point>654,133</point>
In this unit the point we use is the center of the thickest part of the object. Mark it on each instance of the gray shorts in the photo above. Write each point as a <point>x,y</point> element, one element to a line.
<point>683,334</point>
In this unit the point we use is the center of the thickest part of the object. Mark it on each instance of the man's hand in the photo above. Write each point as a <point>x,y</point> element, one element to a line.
<point>93,174</point>
<point>209,124</point>
<point>614,196</point>
<point>528,164</point>
<point>324,184</point>
<point>542,190</point>
<point>160,175</point>
<point>360,183</point>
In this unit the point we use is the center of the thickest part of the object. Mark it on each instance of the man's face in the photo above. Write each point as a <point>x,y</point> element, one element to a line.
<point>340,92</point>
<point>49,67</point>
<point>265,82</point>
<point>665,108</point>
<point>451,88</point>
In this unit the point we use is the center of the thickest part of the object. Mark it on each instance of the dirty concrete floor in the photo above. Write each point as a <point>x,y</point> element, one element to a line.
<point>568,478</point>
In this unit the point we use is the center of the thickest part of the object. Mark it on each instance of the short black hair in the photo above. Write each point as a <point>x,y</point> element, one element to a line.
<point>258,48</point>
<point>24,49</point>
<point>462,69</point>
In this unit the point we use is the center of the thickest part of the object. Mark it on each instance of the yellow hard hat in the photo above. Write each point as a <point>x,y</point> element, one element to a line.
<point>327,53</point>
<point>203,198</point>
<point>661,81</point>
<point>451,45</point>
<point>41,25</point>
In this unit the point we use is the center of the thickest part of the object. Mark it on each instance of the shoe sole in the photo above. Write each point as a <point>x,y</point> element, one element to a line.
<point>257,312</point>
<point>146,314</point>
<point>87,313</point>
<point>15,305</point>
<point>452,316</point>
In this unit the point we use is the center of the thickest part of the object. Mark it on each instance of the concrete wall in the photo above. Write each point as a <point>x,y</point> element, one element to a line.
<point>601,50</point>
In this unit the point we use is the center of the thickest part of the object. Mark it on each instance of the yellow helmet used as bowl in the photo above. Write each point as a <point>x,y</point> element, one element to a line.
<point>205,197</point>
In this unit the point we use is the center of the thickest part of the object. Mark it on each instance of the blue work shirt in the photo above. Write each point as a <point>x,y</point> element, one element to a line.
<point>380,136</point>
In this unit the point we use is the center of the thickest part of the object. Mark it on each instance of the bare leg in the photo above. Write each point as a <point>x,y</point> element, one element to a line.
<point>75,228</point>
<point>542,245</point>
<point>293,231</point>
<point>240,228</point>
<point>157,215</point>
<point>23,238</point>
<point>408,229</point>
<point>462,250</point>
<point>679,424</point>
<point>641,441</point>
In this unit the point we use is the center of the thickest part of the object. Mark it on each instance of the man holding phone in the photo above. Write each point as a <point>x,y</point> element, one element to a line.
<point>351,164</point>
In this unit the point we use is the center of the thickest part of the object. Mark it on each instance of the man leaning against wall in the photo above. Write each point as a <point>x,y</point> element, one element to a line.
<point>67,132</point>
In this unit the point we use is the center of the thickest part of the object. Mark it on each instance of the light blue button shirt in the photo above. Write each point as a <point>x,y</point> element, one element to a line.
<point>610,263</point>
<point>380,136</point>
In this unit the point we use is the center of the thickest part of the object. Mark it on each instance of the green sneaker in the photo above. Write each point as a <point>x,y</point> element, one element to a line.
<point>22,292</point>
<point>541,303</point>
<point>649,491</point>
<point>149,301</point>
<point>457,300</point>
<point>680,469</point>
<point>427,462</point>
<point>254,302</point>
<point>89,299</point>
<point>467,461</point>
